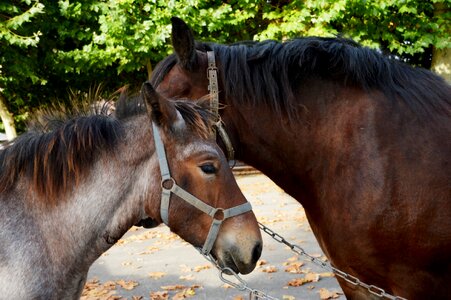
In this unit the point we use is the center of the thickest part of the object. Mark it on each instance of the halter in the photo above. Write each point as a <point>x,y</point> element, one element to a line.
<point>218,214</point>
<point>212,75</point>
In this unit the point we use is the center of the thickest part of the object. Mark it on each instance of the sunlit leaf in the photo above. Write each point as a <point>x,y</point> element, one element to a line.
<point>187,277</point>
<point>326,294</point>
<point>269,269</point>
<point>127,285</point>
<point>200,268</point>
<point>156,275</point>
<point>261,262</point>
<point>161,295</point>
<point>294,267</point>
<point>173,287</point>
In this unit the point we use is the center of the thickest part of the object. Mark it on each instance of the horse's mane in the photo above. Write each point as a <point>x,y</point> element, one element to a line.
<point>197,114</point>
<point>59,147</point>
<point>270,73</point>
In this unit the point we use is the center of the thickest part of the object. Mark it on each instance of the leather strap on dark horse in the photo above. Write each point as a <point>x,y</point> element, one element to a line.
<point>213,87</point>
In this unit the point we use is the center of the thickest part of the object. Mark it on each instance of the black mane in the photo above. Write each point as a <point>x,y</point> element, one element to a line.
<point>269,72</point>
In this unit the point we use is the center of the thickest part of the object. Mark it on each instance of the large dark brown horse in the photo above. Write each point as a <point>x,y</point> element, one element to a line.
<point>362,141</point>
<point>69,191</point>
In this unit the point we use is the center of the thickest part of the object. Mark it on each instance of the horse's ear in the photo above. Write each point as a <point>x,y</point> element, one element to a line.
<point>160,110</point>
<point>183,43</point>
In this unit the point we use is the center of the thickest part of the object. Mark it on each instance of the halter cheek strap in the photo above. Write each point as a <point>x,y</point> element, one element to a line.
<point>213,87</point>
<point>218,214</point>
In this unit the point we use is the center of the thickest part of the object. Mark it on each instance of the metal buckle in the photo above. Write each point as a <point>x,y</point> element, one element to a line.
<point>218,214</point>
<point>166,180</point>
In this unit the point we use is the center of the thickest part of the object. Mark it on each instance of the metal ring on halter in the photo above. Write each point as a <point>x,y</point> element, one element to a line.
<point>221,217</point>
<point>171,180</point>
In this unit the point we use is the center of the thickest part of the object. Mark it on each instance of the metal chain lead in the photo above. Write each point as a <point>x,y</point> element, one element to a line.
<point>345,276</point>
<point>241,284</point>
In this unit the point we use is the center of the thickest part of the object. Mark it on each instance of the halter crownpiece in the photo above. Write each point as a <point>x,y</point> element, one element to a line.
<point>213,87</point>
<point>218,214</point>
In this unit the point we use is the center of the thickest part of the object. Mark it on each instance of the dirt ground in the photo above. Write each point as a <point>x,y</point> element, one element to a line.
<point>156,264</point>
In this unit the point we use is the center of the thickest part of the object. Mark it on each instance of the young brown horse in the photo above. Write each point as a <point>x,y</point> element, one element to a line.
<point>70,193</point>
<point>360,140</point>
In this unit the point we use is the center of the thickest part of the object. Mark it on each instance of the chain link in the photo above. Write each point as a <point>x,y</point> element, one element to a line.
<point>241,284</point>
<point>377,291</point>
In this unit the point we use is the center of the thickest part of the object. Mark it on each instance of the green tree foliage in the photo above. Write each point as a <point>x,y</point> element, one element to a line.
<point>405,28</point>
<point>17,62</point>
<point>50,46</point>
<point>133,34</point>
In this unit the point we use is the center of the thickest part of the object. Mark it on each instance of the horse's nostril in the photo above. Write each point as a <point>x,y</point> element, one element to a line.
<point>256,252</point>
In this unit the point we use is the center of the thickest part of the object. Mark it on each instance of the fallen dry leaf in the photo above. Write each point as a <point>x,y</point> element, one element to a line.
<point>121,242</point>
<point>161,295</point>
<point>238,298</point>
<point>309,277</point>
<point>187,277</point>
<point>297,282</point>
<point>92,283</point>
<point>288,297</point>
<point>127,285</point>
<point>93,290</point>
<point>294,267</point>
<point>269,269</point>
<point>110,285</point>
<point>185,269</point>
<point>186,293</point>
<point>173,287</point>
<point>137,297</point>
<point>312,277</point>
<point>261,262</point>
<point>325,294</point>
<point>156,275</point>
<point>200,268</point>
<point>147,252</point>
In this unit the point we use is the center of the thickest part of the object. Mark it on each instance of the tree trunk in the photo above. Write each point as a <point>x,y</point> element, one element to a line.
<point>441,63</point>
<point>149,69</point>
<point>441,58</point>
<point>7,119</point>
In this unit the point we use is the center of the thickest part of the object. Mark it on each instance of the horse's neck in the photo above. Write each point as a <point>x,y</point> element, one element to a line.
<point>298,156</point>
<point>107,203</point>
<point>97,213</point>
<point>88,220</point>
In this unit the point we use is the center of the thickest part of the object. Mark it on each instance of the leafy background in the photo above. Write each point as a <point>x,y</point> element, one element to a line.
<point>50,49</point>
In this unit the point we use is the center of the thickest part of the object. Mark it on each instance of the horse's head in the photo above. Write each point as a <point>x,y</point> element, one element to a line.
<point>183,74</point>
<point>193,72</point>
<point>198,187</point>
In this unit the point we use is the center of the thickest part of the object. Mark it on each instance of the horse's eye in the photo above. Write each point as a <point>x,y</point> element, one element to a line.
<point>208,169</point>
